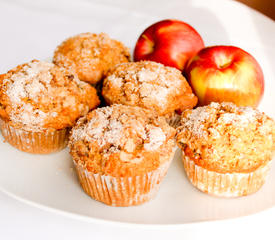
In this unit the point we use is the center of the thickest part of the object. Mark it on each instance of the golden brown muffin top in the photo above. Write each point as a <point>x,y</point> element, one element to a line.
<point>39,95</point>
<point>226,138</point>
<point>150,85</point>
<point>121,141</point>
<point>90,55</point>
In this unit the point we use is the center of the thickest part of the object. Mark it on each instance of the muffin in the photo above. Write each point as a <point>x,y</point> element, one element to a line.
<point>39,103</point>
<point>149,85</point>
<point>121,153</point>
<point>227,150</point>
<point>90,55</point>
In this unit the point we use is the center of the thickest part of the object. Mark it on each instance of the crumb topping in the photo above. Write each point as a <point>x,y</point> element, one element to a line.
<point>155,137</point>
<point>38,95</point>
<point>106,129</point>
<point>122,134</point>
<point>150,85</point>
<point>90,55</point>
<point>225,137</point>
<point>100,128</point>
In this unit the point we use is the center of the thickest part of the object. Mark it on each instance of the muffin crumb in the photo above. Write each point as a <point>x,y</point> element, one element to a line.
<point>39,95</point>
<point>110,136</point>
<point>149,85</point>
<point>225,138</point>
<point>90,55</point>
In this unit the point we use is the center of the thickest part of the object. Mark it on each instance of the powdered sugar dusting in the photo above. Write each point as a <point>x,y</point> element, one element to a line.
<point>114,133</point>
<point>38,91</point>
<point>24,83</point>
<point>116,81</point>
<point>28,115</point>
<point>156,139</point>
<point>195,121</point>
<point>224,113</point>
<point>28,83</point>
<point>111,127</point>
<point>95,129</point>
<point>158,93</point>
<point>151,80</point>
<point>244,116</point>
<point>146,75</point>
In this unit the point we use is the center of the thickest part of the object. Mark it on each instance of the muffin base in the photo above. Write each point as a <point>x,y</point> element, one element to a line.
<point>122,191</point>
<point>225,184</point>
<point>35,142</point>
<point>174,120</point>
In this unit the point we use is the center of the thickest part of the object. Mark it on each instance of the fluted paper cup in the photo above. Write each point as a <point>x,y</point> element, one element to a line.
<point>34,142</point>
<point>173,120</point>
<point>225,184</point>
<point>122,191</point>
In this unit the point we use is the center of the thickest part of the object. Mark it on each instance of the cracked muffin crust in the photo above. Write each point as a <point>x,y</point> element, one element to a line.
<point>149,85</point>
<point>40,97</point>
<point>227,140</point>
<point>121,140</point>
<point>90,55</point>
<point>121,153</point>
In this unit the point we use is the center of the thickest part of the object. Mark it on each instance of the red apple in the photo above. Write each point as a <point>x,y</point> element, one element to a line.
<point>170,42</point>
<point>226,74</point>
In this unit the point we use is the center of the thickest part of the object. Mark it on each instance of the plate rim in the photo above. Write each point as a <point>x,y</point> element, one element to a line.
<point>131,225</point>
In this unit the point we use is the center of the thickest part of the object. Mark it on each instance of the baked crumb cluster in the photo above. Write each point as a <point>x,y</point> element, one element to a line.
<point>39,95</point>
<point>226,138</point>
<point>121,140</point>
<point>150,85</point>
<point>91,55</point>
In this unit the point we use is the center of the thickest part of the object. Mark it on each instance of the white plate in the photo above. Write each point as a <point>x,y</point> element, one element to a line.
<point>50,182</point>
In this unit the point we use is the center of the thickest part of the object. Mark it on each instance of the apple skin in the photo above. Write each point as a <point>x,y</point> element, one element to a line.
<point>226,74</point>
<point>170,42</point>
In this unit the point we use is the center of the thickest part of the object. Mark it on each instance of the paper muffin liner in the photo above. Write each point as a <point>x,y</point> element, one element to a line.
<point>122,191</point>
<point>174,120</point>
<point>35,142</point>
<point>225,184</point>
